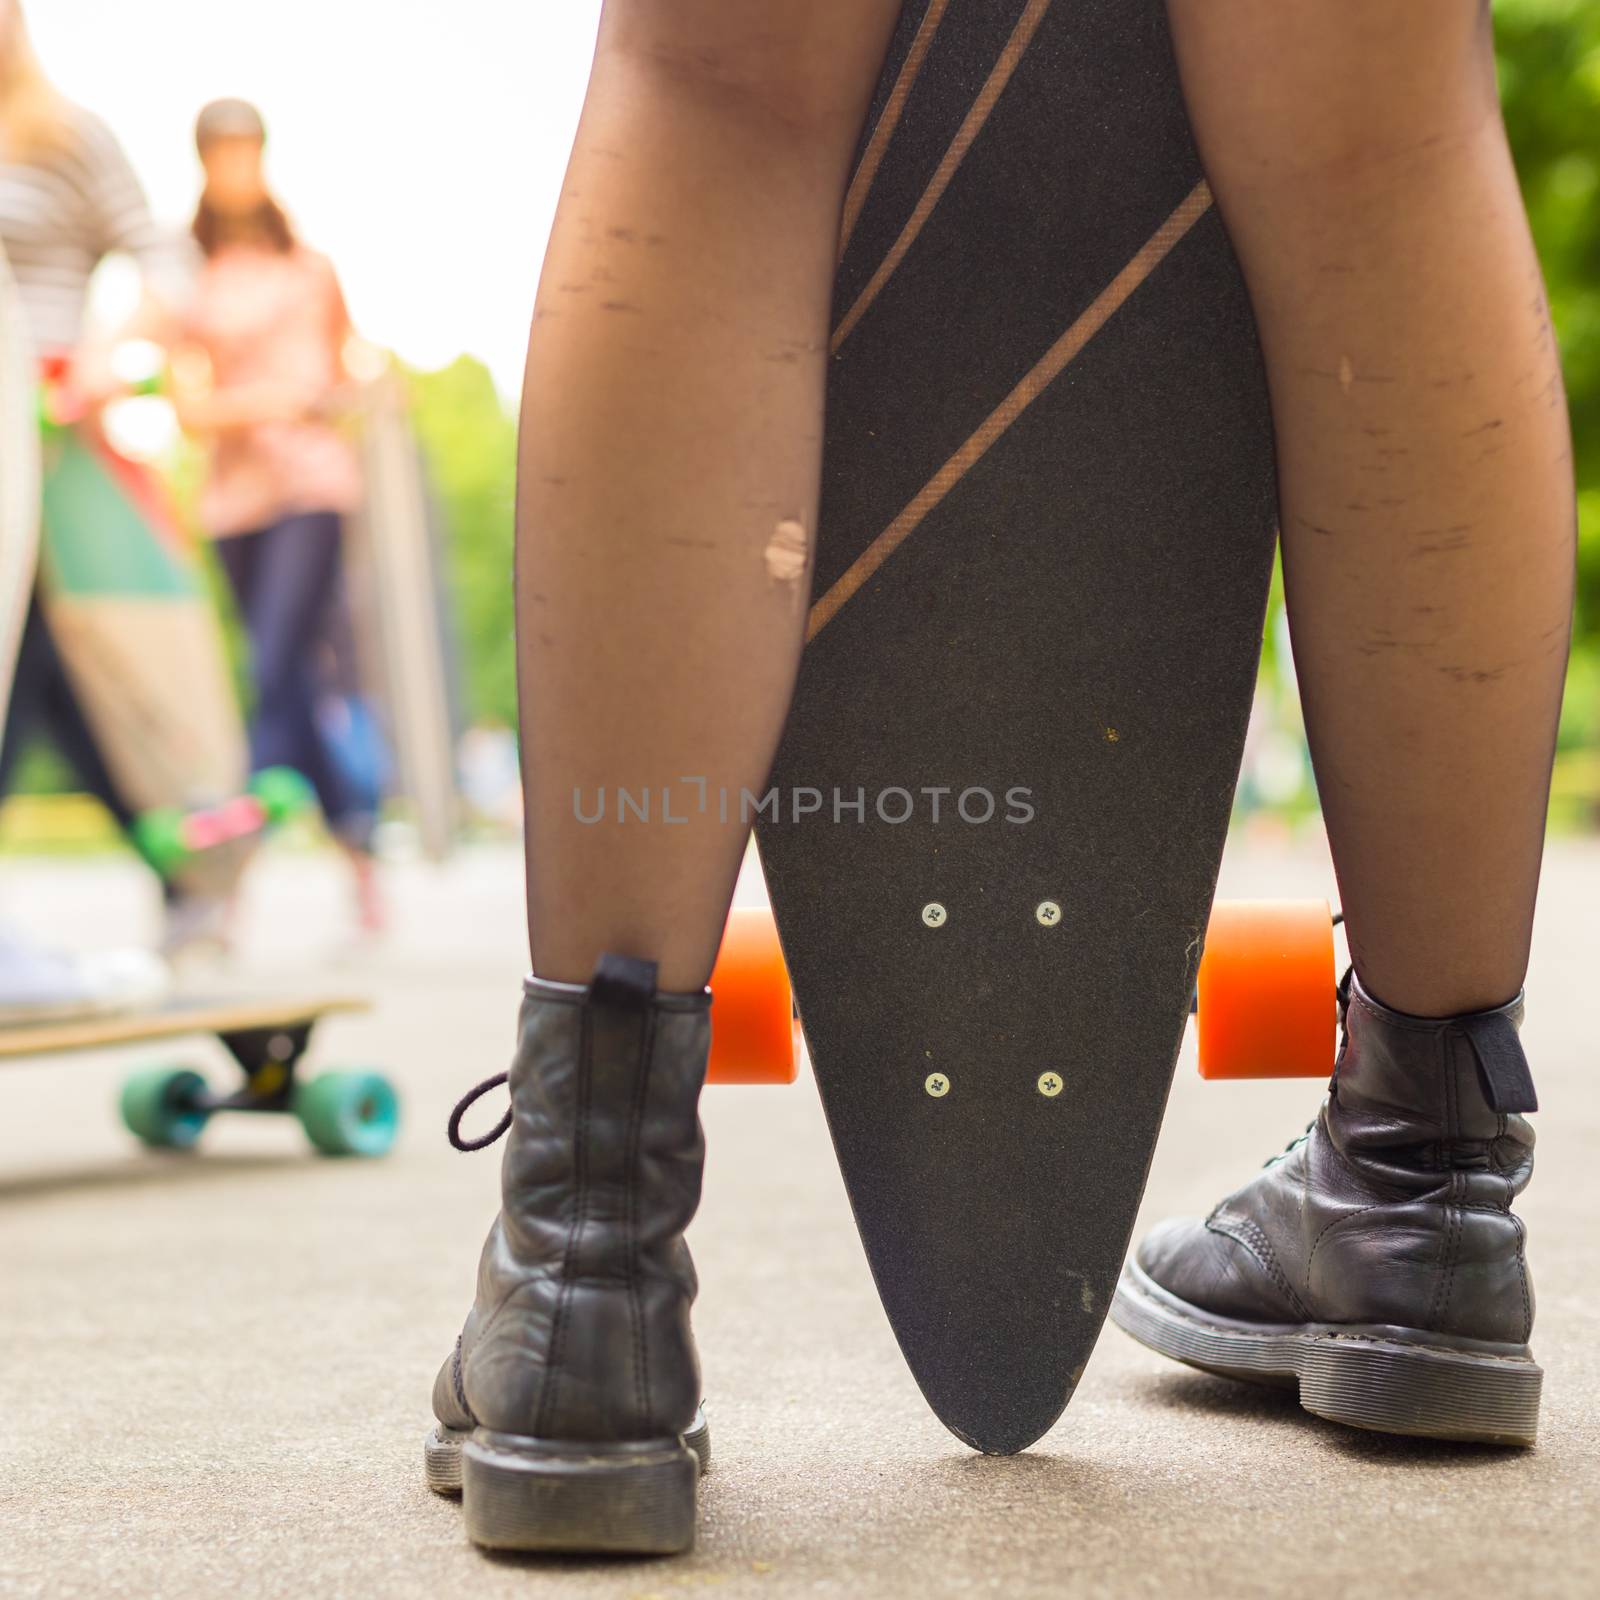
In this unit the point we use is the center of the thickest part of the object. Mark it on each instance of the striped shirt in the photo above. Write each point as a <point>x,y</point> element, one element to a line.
<point>64,210</point>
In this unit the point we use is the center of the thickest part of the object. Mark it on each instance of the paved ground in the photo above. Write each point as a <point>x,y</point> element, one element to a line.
<point>216,1368</point>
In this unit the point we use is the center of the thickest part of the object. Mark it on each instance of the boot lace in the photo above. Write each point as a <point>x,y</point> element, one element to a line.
<point>465,1104</point>
<point>1293,1145</point>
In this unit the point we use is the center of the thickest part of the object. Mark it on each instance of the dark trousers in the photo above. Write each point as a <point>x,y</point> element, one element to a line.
<point>43,704</point>
<point>286,581</point>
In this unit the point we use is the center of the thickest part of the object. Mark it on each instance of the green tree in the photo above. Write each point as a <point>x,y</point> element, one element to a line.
<point>470,442</point>
<point>1549,59</point>
<point>1549,53</point>
<point>1549,64</point>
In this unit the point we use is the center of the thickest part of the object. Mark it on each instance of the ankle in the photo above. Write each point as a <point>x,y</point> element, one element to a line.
<point>1437,1001</point>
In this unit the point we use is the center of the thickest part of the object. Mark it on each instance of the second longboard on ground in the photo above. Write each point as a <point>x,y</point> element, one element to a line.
<point>350,1112</point>
<point>1043,557</point>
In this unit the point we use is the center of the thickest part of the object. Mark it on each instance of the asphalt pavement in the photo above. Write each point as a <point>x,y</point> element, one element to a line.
<point>216,1367</point>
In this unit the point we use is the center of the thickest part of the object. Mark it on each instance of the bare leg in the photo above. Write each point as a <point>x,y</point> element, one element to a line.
<point>671,443</point>
<point>1357,153</point>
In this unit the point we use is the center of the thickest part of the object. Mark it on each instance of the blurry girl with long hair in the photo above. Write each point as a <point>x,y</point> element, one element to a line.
<point>262,377</point>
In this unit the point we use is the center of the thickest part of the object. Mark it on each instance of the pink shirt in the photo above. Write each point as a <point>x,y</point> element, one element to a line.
<point>269,318</point>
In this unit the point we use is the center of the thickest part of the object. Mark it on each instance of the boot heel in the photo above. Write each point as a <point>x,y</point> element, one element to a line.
<point>1424,1391</point>
<point>441,1459</point>
<point>536,1494</point>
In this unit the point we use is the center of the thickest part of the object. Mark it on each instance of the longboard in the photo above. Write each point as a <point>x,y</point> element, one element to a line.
<point>343,1113</point>
<point>393,571</point>
<point>1044,549</point>
<point>132,614</point>
<point>19,478</point>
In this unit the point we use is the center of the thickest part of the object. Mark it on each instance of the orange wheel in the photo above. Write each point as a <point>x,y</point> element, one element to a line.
<point>1268,1003</point>
<point>752,1007</point>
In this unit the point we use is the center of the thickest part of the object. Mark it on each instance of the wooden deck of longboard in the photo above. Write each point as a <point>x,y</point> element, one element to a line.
<point>402,633</point>
<point>1043,555</point>
<point>177,1019</point>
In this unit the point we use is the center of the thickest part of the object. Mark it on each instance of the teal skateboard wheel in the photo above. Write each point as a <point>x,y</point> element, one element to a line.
<point>349,1113</point>
<point>283,793</point>
<point>161,1107</point>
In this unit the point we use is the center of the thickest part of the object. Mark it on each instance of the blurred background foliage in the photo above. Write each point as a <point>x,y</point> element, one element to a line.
<point>470,441</point>
<point>1549,68</point>
<point>1549,55</point>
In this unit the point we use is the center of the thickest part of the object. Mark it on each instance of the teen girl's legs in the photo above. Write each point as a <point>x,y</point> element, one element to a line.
<point>667,491</point>
<point>1357,153</point>
<point>1358,156</point>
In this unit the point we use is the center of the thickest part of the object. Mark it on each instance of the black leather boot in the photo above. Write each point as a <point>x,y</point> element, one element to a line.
<point>1376,1261</point>
<point>569,1412</point>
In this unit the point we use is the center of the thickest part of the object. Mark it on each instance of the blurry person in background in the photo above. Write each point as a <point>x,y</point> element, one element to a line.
<point>260,374</point>
<point>68,198</point>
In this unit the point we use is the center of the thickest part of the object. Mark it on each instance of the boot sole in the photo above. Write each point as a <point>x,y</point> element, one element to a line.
<point>521,1493</point>
<point>1384,1379</point>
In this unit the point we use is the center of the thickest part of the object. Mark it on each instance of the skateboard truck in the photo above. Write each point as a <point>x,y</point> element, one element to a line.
<point>342,1113</point>
<point>269,1057</point>
<point>1267,998</point>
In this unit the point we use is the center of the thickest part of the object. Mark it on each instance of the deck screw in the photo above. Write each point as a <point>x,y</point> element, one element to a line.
<point>937,1084</point>
<point>934,914</point>
<point>1049,913</point>
<point>1050,1084</point>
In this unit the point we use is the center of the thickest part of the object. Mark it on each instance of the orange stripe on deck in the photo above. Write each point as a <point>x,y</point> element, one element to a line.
<point>872,156</point>
<point>949,163</point>
<point>1087,325</point>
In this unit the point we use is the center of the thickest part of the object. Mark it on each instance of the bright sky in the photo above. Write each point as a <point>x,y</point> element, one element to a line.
<point>420,144</point>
